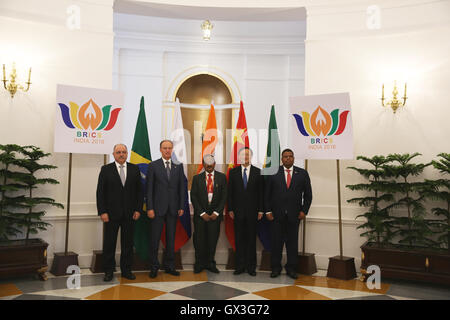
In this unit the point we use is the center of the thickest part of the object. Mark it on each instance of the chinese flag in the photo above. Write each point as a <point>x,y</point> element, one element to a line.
<point>240,140</point>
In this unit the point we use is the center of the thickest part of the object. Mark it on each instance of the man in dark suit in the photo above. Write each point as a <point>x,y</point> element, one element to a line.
<point>208,197</point>
<point>165,202</point>
<point>288,196</point>
<point>245,206</point>
<point>119,202</point>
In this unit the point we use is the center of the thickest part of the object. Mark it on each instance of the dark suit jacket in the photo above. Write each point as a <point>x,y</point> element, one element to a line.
<point>281,200</point>
<point>164,195</point>
<point>199,195</point>
<point>116,200</point>
<point>245,201</point>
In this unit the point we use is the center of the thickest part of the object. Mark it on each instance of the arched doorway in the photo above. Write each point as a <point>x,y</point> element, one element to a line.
<point>201,90</point>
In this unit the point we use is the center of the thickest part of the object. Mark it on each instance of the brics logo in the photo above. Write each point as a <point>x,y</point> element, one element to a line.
<point>89,116</point>
<point>321,123</point>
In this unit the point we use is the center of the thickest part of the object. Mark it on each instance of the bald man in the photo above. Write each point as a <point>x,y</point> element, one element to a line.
<point>208,197</point>
<point>119,202</point>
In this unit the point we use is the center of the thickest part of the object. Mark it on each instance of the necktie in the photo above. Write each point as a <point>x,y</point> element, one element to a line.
<point>288,180</point>
<point>210,184</point>
<point>122,175</point>
<point>245,178</point>
<point>168,169</point>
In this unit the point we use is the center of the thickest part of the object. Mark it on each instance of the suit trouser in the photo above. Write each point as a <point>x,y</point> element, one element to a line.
<point>126,243</point>
<point>284,231</point>
<point>245,240</point>
<point>206,235</point>
<point>156,227</point>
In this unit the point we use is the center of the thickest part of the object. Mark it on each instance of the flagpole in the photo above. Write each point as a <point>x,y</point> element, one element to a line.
<point>68,204</point>
<point>339,206</point>
<point>62,260</point>
<point>340,267</point>
<point>304,220</point>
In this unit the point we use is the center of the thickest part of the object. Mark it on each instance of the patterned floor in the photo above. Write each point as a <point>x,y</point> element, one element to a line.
<point>210,286</point>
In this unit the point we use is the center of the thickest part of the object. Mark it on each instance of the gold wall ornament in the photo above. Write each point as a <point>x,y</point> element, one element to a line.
<point>12,85</point>
<point>395,103</point>
<point>206,28</point>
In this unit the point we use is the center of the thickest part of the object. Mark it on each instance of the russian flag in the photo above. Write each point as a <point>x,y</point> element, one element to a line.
<point>183,229</point>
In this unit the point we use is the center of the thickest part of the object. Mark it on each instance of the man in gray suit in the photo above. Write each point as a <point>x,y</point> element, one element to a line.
<point>165,202</point>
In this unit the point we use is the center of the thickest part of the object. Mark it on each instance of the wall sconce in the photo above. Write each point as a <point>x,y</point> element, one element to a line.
<point>394,103</point>
<point>206,28</point>
<point>12,86</point>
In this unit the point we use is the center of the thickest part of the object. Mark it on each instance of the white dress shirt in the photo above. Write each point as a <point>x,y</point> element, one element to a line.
<point>170,163</point>
<point>210,195</point>
<point>286,173</point>
<point>248,171</point>
<point>124,168</point>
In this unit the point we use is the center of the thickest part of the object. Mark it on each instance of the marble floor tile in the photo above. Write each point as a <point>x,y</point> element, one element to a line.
<point>125,292</point>
<point>336,294</point>
<point>209,291</point>
<point>290,293</point>
<point>9,289</point>
<point>167,286</point>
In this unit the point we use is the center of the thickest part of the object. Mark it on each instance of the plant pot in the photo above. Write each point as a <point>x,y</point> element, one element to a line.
<point>409,263</point>
<point>20,257</point>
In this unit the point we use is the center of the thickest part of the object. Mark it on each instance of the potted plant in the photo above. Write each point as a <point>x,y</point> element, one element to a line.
<point>21,211</point>
<point>400,240</point>
<point>377,223</point>
<point>439,190</point>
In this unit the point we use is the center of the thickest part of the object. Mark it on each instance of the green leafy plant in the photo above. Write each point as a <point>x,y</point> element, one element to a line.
<point>378,222</point>
<point>412,229</point>
<point>19,208</point>
<point>9,182</point>
<point>439,190</point>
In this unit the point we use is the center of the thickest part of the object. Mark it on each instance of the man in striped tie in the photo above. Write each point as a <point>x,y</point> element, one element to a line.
<point>288,196</point>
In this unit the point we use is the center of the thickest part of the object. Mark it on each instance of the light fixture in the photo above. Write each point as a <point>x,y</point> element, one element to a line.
<point>12,86</point>
<point>206,28</point>
<point>395,103</point>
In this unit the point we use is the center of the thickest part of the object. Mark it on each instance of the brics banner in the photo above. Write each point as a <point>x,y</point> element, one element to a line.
<point>87,120</point>
<point>321,126</point>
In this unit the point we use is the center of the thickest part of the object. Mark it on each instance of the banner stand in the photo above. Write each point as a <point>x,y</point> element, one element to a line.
<point>97,255</point>
<point>341,267</point>
<point>62,260</point>
<point>306,261</point>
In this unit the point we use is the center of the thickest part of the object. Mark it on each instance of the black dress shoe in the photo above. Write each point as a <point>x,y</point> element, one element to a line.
<point>153,273</point>
<point>213,269</point>
<point>238,271</point>
<point>252,273</point>
<point>129,276</point>
<point>275,274</point>
<point>172,272</point>
<point>108,276</point>
<point>198,270</point>
<point>292,274</point>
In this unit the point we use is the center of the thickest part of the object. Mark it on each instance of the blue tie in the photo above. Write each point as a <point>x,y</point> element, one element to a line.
<point>245,178</point>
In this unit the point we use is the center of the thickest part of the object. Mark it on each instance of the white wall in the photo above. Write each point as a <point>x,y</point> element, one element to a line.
<point>35,33</point>
<point>343,55</point>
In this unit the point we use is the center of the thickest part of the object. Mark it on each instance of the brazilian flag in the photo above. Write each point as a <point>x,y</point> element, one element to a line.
<point>140,156</point>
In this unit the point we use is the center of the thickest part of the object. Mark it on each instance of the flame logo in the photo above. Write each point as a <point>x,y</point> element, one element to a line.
<point>89,116</point>
<point>321,122</point>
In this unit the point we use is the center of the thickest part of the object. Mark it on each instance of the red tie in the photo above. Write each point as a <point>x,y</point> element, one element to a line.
<point>288,180</point>
<point>210,184</point>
